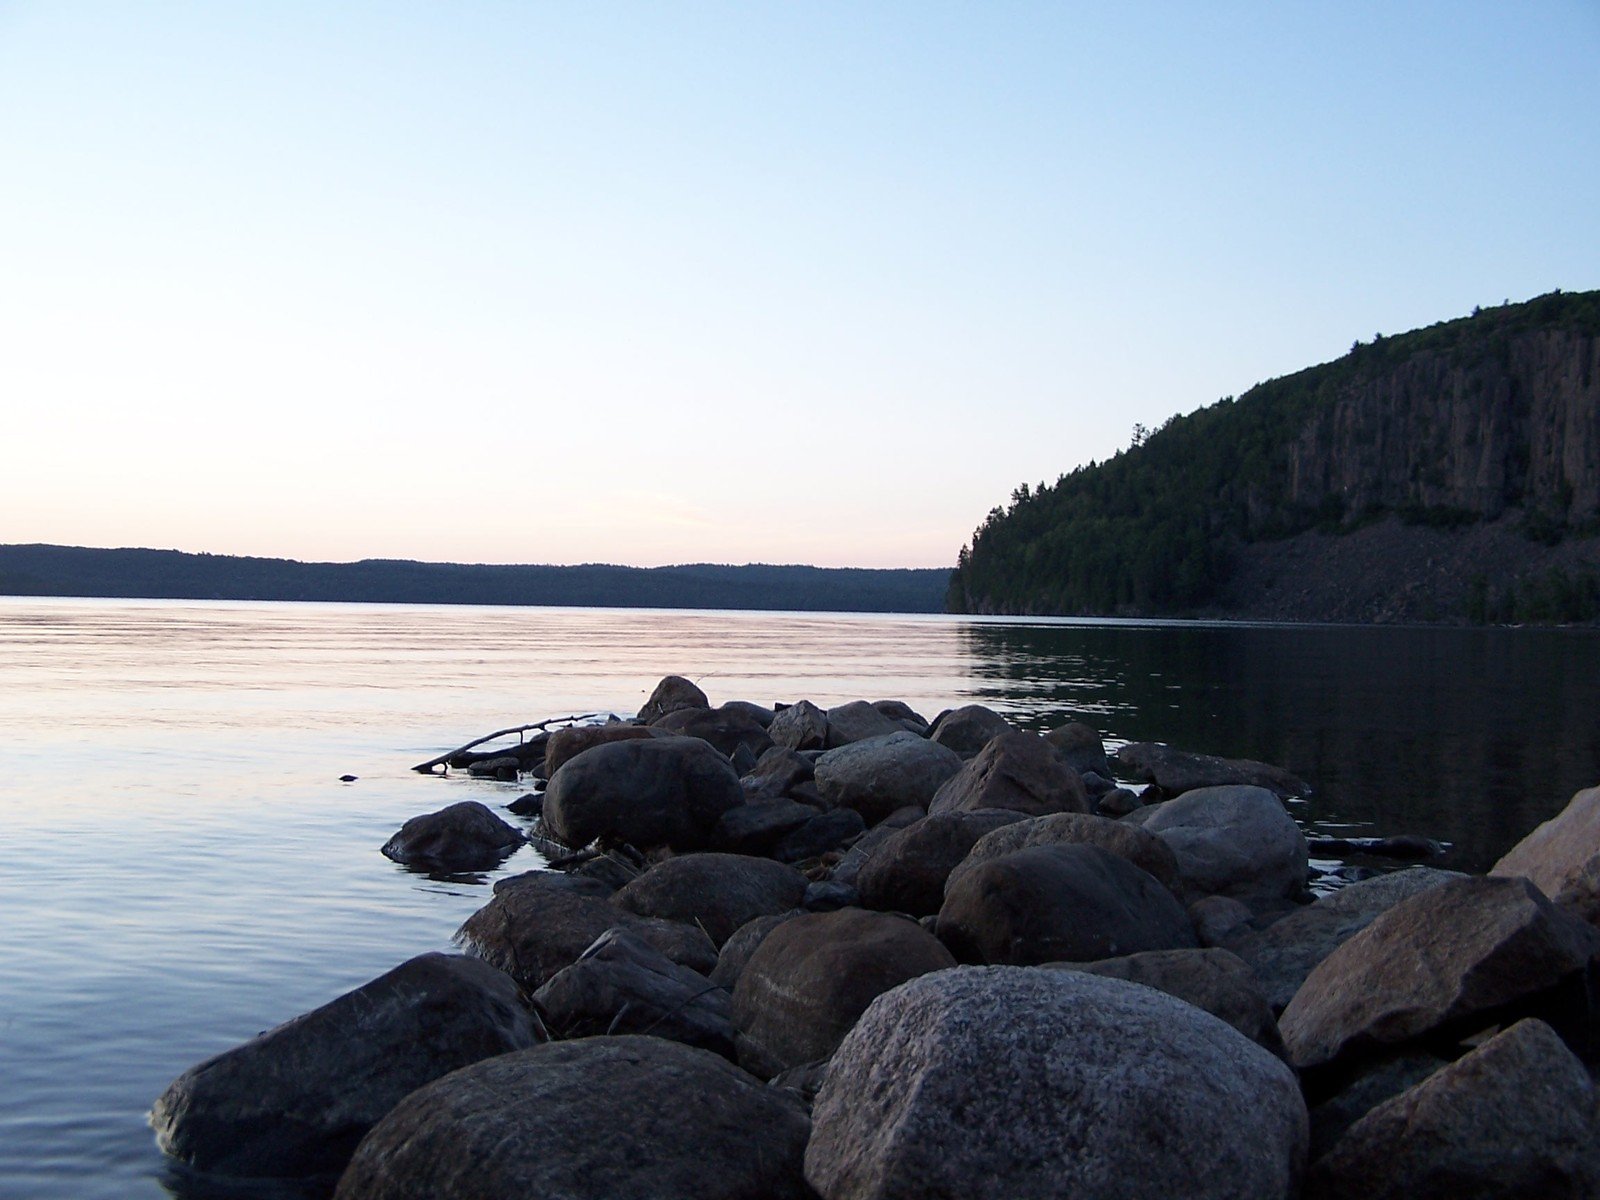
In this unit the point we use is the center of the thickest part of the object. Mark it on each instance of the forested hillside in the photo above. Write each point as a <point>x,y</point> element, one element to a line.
<point>1485,420</point>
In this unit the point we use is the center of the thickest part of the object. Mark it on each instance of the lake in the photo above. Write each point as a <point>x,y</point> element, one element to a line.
<point>182,867</point>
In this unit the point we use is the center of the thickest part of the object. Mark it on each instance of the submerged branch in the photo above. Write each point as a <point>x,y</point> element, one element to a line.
<point>426,768</point>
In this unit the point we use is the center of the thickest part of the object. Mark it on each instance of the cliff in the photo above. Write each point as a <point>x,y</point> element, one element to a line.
<point>1490,422</point>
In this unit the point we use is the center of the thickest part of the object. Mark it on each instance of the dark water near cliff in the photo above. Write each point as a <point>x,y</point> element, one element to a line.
<point>180,867</point>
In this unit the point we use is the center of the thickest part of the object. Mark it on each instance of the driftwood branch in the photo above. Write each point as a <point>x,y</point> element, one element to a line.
<point>426,768</point>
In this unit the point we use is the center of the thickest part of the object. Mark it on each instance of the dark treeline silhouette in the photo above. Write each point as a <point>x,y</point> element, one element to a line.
<point>41,570</point>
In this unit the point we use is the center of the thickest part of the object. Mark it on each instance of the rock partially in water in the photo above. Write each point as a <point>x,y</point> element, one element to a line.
<point>595,1119</point>
<point>1233,841</point>
<point>1082,748</point>
<point>294,1101</point>
<point>879,775</point>
<point>1178,771</point>
<point>1019,771</point>
<point>908,873</point>
<point>462,837</point>
<point>566,744</point>
<point>717,892</point>
<point>1562,857</point>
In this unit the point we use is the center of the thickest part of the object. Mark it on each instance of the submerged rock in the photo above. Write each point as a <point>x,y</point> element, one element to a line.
<point>462,837</point>
<point>1178,771</point>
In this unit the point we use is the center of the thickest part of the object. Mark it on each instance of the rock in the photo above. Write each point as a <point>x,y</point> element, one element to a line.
<point>1016,1084</point>
<point>294,1101</point>
<point>462,837</point>
<point>1081,747</point>
<point>1118,802</point>
<point>1409,846</point>
<point>1514,1118</point>
<point>1233,841</point>
<point>662,791</point>
<point>968,729</point>
<point>830,895</point>
<point>758,713</point>
<point>1144,850</point>
<point>806,1080</point>
<point>757,828</point>
<point>857,721</point>
<point>824,832</point>
<point>621,984</point>
<point>530,804</point>
<point>848,868</point>
<point>1214,980</point>
<point>903,715</point>
<point>568,743</point>
<point>875,776</point>
<point>1019,771</point>
<point>775,772</point>
<point>736,951</point>
<point>1459,956</point>
<point>1073,903</point>
<point>812,977</point>
<point>717,892</point>
<point>801,726</point>
<point>1219,919</point>
<point>671,694</point>
<point>908,872</point>
<point>1562,857</point>
<point>726,730</point>
<point>595,1119</point>
<point>1286,951</point>
<point>505,767</point>
<point>536,927</point>
<point>1375,1082</point>
<point>1177,771</point>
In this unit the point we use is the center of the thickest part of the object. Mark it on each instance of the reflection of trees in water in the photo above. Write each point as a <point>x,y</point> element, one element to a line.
<point>1469,735</point>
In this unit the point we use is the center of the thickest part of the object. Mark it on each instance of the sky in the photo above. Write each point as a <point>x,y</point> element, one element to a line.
<point>746,282</point>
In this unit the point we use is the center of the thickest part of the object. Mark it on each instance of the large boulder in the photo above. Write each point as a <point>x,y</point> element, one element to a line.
<point>1081,746</point>
<point>857,721</point>
<point>662,791</point>
<point>1144,850</point>
<point>1019,771</point>
<point>1562,857</point>
<point>736,951</point>
<point>717,892</point>
<point>726,729</point>
<point>1017,1084</point>
<point>1514,1118</point>
<point>568,743</point>
<point>1449,960</point>
<point>1073,903</point>
<point>671,694</point>
<point>594,1119</point>
<point>801,726</point>
<point>968,729</point>
<point>622,984</point>
<point>462,837</point>
<point>811,978</point>
<point>757,828</point>
<point>294,1101</point>
<point>822,833</point>
<point>908,873</point>
<point>875,776</point>
<point>775,773</point>
<point>1178,771</point>
<point>1214,980</point>
<point>534,927</point>
<point>1285,952</point>
<point>903,715</point>
<point>1233,841</point>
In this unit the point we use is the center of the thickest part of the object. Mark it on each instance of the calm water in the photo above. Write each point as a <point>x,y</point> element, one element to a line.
<point>181,867</point>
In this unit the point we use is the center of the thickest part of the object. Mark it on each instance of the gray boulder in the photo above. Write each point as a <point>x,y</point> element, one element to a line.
<point>908,873</point>
<point>1081,747</point>
<point>1460,956</point>
<point>623,985</point>
<point>566,744</point>
<point>775,773</point>
<point>1003,1083</point>
<point>1562,857</point>
<point>717,892</point>
<point>1233,841</point>
<point>1144,850</point>
<point>294,1101</point>
<point>594,1119</point>
<point>1514,1118</point>
<point>757,828</point>
<point>1073,903</point>
<point>857,721</point>
<point>903,715</point>
<point>801,726</point>
<point>878,775</point>
<point>1178,771</point>
<point>462,837</point>
<point>728,730</point>
<point>968,729</point>
<point>671,694</point>
<point>811,978</point>
<point>1019,771</point>
<point>823,833</point>
<point>662,791</point>
<point>736,951</point>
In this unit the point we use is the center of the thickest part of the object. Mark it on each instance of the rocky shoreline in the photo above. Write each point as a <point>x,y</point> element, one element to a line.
<point>852,953</point>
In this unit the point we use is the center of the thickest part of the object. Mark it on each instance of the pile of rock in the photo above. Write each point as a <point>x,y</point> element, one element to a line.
<point>851,953</point>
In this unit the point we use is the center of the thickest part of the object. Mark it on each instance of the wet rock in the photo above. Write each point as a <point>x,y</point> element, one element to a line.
<point>1562,857</point>
<point>1072,903</point>
<point>727,730</point>
<point>908,873</point>
<point>1019,771</point>
<point>536,927</point>
<point>857,721</point>
<point>1514,1118</point>
<point>775,773</point>
<point>717,892</point>
<point>877,775</point>
<point>1178,771</point>
<point>757,828</point>
<point>1233,841</point>
<point>968,729</point>
<point>1214,980</point>
<point>801,726</point>
<point>673,693</point>
<point>294,1101</point>
<point>594,1119</point>
<point>623,985</point>
<point>1144,850</point>
<point>462,837</point>
<point>1016,1084</point>
<point>1081,747</point>
<point>568,743</point>
<point>530,804</point>
<point>812,977</point>
<point>662,791</point>
<point>1463,955</point>
<point>824,832</point>
<point>736,951</point>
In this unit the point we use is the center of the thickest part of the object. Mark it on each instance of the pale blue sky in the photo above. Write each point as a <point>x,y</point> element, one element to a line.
<point>722,282</point>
